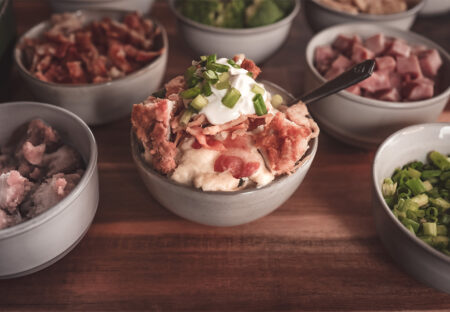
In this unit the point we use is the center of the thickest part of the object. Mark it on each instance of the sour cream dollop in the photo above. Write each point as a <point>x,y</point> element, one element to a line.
<point>217,113</point>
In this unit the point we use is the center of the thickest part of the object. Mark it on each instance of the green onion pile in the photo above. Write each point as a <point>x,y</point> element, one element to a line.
<point>418,195</point>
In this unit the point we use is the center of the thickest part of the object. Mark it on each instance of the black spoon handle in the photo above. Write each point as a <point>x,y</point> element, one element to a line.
<point>356,74</point>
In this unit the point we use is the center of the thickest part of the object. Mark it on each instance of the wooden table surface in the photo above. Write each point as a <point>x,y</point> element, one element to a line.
<point>319,251</point>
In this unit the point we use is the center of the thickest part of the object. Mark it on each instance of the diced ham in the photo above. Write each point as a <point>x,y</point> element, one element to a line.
<point>376,43</point>
<point>13,189</point>
<point>399,48</point>
<point>355,89</point>
<point>360,53</point>
<point>418,89</point>
<point>430,62</point>
<point>323,56</point>
<point>251,67</point>
<point>344,43</point>
<point>385,63</point>
<point>377,82</point>
<point>409,66</point>
<point>339,65</point>
<point>395,80</point>
<point>391,95</point>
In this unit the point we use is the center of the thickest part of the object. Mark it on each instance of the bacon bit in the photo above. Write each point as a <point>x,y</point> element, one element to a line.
<point>251,67</point>
<point>235,165</point>
<point>282,143</point>
<point>203,140</point>
<point>213,130</point>
<point>175,86</point>
<point>76,72</point>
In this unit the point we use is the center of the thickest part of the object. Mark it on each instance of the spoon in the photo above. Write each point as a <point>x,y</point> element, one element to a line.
<point>354,75</point>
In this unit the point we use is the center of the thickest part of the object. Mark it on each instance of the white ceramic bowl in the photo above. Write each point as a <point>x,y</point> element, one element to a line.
<point>101,102</point>
<point>222,208</point>
<point>320,17</point>
<point>256,43</point>
<point>142,6</point>
<point>366,122</point>
<point>416,257</point>
<point>37,243</point>
<point>435,7</point>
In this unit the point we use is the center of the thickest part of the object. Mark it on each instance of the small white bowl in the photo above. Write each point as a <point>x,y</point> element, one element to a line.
<point>416,257</point>
<point>222,208</point>
<point>320,16</point>
<point>362,121</point>
<point>97,103</point>
<point>256,43</point>
<point>142,6</point>
<point>37,243</point>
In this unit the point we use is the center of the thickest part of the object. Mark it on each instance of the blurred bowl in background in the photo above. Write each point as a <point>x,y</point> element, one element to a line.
<point>366,122</point>
<point>142,6</point>
<point>435,7</point>
<point>39,242</point>
<point>97,103</point>
<point>7,38</point>
<point>319,16</point>
<point>256,43</point>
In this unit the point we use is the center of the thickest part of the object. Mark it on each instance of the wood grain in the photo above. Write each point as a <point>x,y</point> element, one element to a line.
<point>319,251</point>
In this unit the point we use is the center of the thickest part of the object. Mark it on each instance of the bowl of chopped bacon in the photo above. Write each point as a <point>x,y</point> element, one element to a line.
<point>94,63</point>
<point>410,84</point>
<point>220,148</point>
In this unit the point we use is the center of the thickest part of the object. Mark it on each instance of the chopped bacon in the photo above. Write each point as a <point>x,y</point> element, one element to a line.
<point>175,86</point>
<point>236,166</point>
<point>251,67</point>
<point>100,51</point>
<point>151,124</point>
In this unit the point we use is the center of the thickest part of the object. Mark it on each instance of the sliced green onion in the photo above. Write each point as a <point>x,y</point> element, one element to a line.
<point>203,58</point>
<point>426,174</point>
<point>416,186</point>
<point>233,64</point>
<point>231,97</point>
<point>199,102</point>
<point>259,105</point>
<point>421,199</point>
<point>413,173</point>
<point>431,212</point>
<point>429,228</point>
<point>427,185</point>
<point>445,176</point>
<point>408,222</point>
<point>220,68</point>
<point>440,202</point>
<point>388,188</point>
<point>439,160</point>
<point>206,89</point>
<point>190,93</point>
<point>224,81</point>
<point>210,59</point>
<point>276,100</point>
<point>211,76</point>
<point>250,74</point>
<point>442,230</point>
<point>190,72</point>
<point>258,89</point>
<point>186,116</point>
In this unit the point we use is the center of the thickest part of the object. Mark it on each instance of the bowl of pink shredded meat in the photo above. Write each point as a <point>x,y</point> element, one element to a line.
<point>220,148</point>
<point>95,63</point>
<point>410,84</point>
<point>48,185</point>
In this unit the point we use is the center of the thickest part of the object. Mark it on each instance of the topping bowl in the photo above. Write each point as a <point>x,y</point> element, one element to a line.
<point>218,208</point>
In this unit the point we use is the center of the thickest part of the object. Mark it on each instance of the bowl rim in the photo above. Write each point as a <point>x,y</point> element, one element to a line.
<point>311,46</point>
<point>3,5</point>
<point>379,195</point>
<point>311,152</point>
<point>91,168</point>
<point>100,12</point>
<point>374,17</point>
<point>237,31</point>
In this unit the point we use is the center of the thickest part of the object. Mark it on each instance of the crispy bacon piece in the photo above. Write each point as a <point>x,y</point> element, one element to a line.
<point>251,67</point>
<point>235,165</point>
<point>151,124</point>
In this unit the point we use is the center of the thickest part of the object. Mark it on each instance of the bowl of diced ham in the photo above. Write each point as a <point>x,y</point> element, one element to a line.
<point>95,63</point>
<point>48,185</point>
<point>400,14</point>
<point>410,83</point>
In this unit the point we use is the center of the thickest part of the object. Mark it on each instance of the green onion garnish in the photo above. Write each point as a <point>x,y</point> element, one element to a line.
<point>276,100</point>
<point>210,59</point>
<point>199,102</point>
<point>250,74</point>
<point>257,89</point>
<point>259,105</point>
<point>206,88</point>
<point>190,93</point>
<point>231,97</point>
<point>220,68</point>
<point>439,160</point>
<point>224,81</point>
<point>233,64</point>
<point>210,76</point>
<point>186,116</point>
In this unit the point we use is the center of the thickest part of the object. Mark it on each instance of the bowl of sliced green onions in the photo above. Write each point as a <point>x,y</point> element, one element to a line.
<point>411,202</point>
